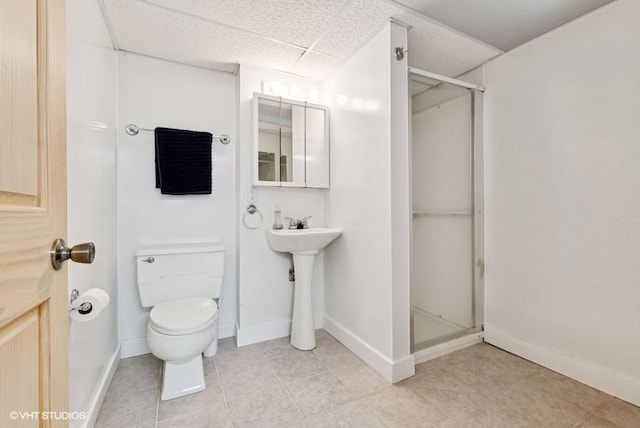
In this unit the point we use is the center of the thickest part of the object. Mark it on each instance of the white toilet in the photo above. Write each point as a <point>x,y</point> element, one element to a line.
<point>183,284</point>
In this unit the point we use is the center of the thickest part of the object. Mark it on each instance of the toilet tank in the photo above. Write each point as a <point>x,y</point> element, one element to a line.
<point>179,271</point>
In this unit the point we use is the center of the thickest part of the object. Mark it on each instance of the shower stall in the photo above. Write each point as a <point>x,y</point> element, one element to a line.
<point>447,260</point>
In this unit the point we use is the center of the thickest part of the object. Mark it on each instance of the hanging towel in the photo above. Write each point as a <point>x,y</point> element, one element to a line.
<point>183,162</point>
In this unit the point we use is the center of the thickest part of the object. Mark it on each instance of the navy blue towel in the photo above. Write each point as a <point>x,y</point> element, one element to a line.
<point>183,162</point>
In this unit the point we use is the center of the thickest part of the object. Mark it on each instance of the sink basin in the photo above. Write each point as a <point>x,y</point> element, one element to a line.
<point>299,240</point>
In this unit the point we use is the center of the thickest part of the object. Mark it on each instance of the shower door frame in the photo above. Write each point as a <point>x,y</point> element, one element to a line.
<point>473,334</point>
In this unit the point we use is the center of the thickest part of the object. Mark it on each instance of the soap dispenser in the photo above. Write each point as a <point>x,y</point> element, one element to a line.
<point>277,218</point>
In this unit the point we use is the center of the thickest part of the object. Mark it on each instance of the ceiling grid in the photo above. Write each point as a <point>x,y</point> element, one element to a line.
<point>310,38</point>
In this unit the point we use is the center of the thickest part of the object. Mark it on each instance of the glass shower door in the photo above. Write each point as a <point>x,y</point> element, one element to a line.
<point>443,292</point>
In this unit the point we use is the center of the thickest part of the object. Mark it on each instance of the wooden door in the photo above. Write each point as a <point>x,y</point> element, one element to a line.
<point>33,316</point>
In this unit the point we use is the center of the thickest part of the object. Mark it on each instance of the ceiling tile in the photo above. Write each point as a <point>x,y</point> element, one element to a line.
<point>299,22</point>
<point>317,66</point>
<point>504,23</point>
<point>359,21</point>
<point>440,50</point>
<point>417,87</point>
<point>150,30</point>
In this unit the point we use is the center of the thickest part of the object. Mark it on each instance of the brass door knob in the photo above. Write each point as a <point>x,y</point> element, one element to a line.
<point>81,253</point>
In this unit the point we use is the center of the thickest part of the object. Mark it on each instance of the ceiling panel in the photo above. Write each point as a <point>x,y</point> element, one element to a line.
<point>504,23</point>
<point>417,87</point>
<point>359,21</point>
<point>150,30</point>
<point>437,49</point>
<point>317,66</point>
<point>299,22</point>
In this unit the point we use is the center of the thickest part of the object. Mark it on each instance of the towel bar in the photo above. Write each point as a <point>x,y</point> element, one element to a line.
<point>132,129</point>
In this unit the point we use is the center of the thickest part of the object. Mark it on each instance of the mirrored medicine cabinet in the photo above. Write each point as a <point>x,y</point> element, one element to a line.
<point>291,143</point>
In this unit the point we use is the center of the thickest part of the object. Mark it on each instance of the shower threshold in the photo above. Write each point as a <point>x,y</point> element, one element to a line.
<point>429,329</point>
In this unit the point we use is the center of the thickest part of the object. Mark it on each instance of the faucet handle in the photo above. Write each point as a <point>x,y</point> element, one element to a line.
<point>292,222</point>
<point>304,221</point>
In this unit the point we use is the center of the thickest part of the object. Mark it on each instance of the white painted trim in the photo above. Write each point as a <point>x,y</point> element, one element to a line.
<point>267,331</point>
<point>226,329</point>
<point>263,331</point>
<point>134,347</point>
<point>448,347</point>
<point>393,371</point>
<point>97,398</point>
<point>597,376</point>
<point>445,79</point>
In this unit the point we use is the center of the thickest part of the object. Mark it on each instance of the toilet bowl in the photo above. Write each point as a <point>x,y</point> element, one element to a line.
<point>177,333</point>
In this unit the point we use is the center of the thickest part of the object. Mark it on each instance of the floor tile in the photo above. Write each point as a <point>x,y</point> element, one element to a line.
<point>277,347</point>
<point>273,384</point>
<point>568,389</point>
<point>269,408</point>
<point>620,413</point>
<point>362,380</point>
<point>128,410</point>
<point>596,422</point>
<point>401,407</point>
<point>215,416</point>
<point>237,359</point>
<point>335,355</point>
<point>445,391</point>
<point>137,374</point>
<point>318,393</point>
<point>258,376</point>
<point>293,366</point>
<point>351,415</point>
<point>460,421</point>
<point>323,338</point>
<point>523,405</point>
<point>129,401</point>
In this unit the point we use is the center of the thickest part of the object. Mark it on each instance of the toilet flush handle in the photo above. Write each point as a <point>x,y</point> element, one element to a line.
<point>149,260</point>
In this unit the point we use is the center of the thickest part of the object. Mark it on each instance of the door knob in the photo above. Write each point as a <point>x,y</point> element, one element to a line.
<point>81,253</point>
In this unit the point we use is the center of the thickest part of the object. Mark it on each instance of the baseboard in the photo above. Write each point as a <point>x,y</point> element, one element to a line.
<point>134,347</point>
<point>599,377</point>
<point>263,331</point>
<point>393,371</point>
<point>226,329</point>
<point>448,347</point>
<point>97,398</point>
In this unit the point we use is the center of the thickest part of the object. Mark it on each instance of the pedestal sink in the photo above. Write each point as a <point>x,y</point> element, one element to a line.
<point>304,244</point>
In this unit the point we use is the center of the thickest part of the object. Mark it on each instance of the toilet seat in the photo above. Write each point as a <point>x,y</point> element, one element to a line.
<point>182,317</point>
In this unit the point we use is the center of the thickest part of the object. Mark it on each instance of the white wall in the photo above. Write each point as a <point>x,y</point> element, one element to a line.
<point>364,307</point>
<point>91,154</point>
<point>155,93</point>
<point>265,293</point>
<point>562,206</point>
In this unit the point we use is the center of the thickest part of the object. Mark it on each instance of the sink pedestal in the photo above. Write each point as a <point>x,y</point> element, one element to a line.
<point>304,244</point>
<point>303,333</point>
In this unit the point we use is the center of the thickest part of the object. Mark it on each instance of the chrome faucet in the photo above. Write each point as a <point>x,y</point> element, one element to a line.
<point>298,224</point>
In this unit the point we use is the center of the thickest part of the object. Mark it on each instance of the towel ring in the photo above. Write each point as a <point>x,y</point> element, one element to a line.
<point>251,210</point>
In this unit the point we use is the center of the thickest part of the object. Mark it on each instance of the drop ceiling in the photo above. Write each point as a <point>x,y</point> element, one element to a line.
<point>313,38</point>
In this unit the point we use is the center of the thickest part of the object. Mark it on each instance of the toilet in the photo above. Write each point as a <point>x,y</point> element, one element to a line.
<point>183,286</point>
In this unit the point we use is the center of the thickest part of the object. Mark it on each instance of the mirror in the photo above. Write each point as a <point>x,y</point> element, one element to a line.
<point>291,143</point>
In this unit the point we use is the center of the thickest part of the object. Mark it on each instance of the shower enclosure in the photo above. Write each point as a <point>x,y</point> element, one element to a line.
<point>447,194</point>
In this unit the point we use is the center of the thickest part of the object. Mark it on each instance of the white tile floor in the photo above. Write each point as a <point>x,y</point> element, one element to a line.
<point>272,384</point>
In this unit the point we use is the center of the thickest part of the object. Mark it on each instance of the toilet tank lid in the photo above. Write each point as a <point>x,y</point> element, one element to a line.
<point>202,247</point>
